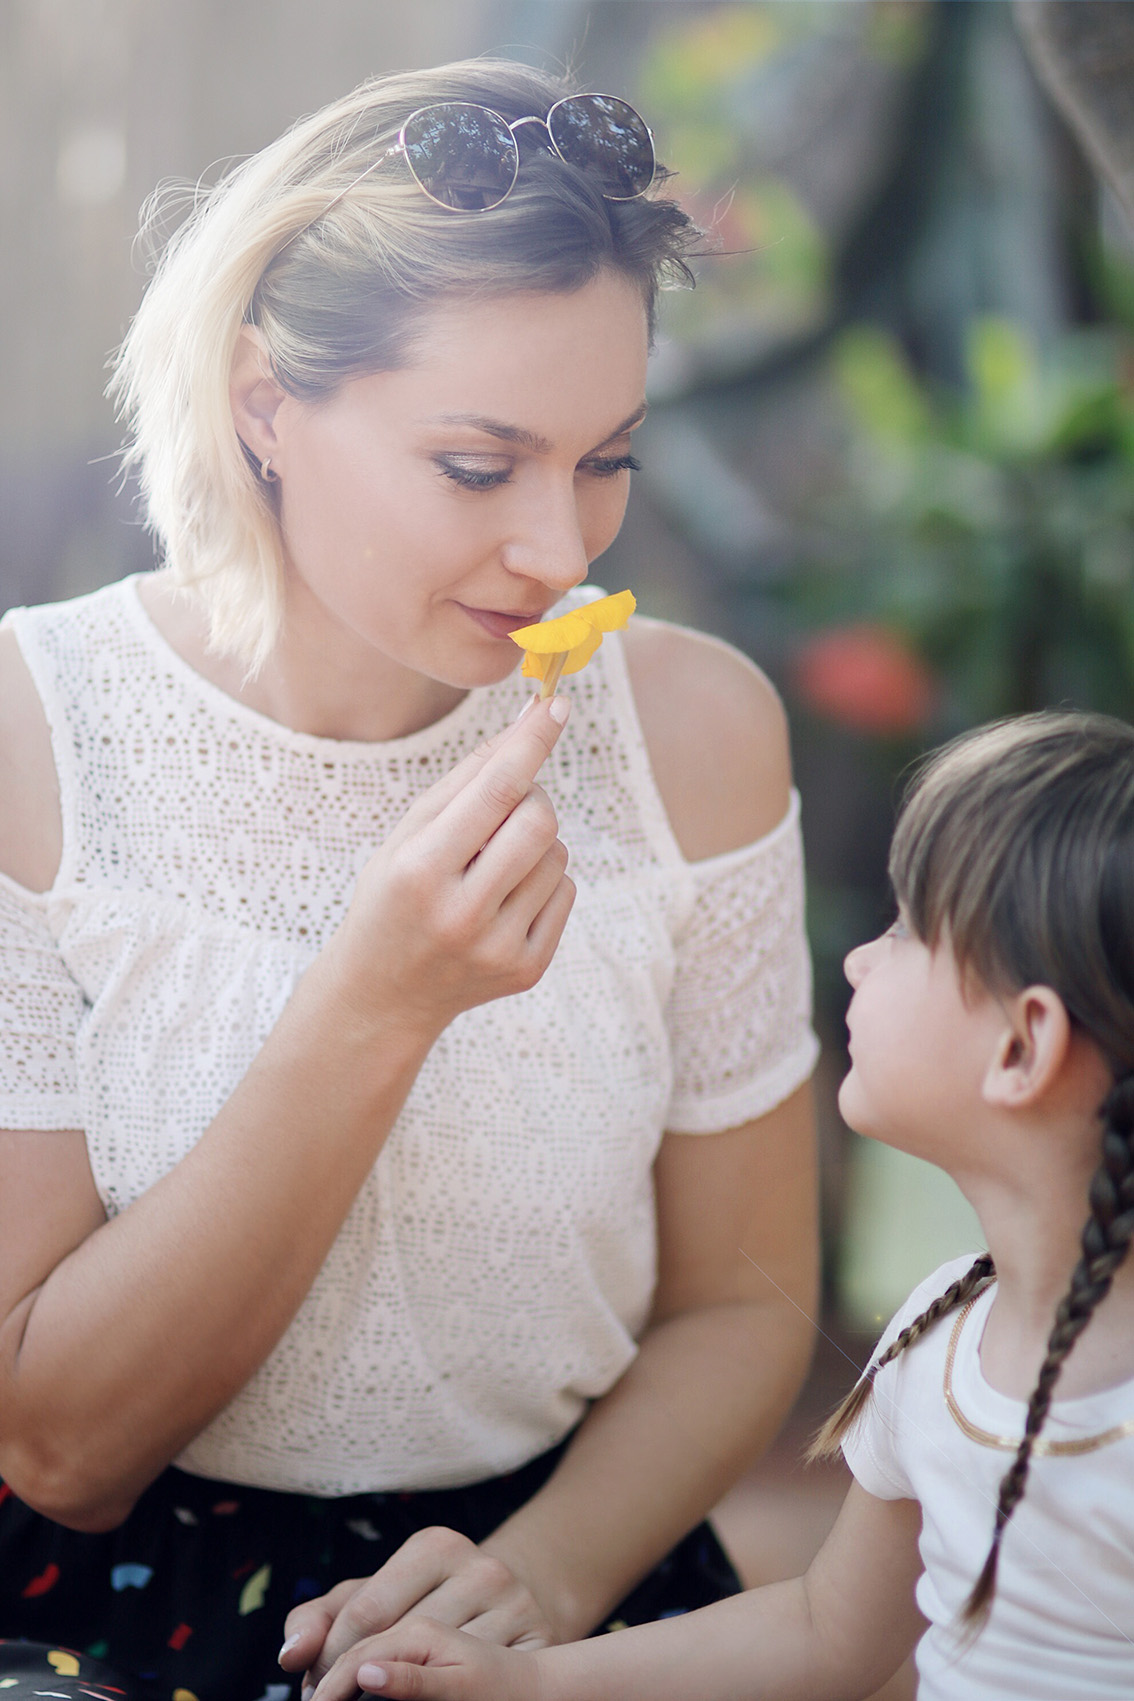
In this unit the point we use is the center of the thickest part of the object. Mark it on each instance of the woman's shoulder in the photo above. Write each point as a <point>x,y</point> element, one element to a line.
<point>716,735</point>
<point>30,827</point>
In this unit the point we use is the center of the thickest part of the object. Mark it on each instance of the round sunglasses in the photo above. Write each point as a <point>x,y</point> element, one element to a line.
<point>466,157</point>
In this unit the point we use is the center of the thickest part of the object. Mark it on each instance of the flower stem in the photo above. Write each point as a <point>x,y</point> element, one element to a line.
<point>554,671</point>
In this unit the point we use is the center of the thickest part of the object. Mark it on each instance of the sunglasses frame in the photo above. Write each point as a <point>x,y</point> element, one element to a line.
<point>400,147</point>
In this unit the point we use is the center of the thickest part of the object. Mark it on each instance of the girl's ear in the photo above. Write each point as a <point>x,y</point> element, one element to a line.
<point>254,395</point>
<point>1031,1050</point>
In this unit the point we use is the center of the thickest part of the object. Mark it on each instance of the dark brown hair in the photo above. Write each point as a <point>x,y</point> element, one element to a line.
<point>1017,843</point>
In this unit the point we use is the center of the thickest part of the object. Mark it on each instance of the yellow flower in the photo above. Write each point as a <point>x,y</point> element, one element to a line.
<point>566,644</point>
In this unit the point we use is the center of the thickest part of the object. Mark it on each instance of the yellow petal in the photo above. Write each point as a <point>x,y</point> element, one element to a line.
<point>582,653</point>
<point>576,635</point>
<point>535,666</point>
<point>552,637</point>
<point>609,614</point>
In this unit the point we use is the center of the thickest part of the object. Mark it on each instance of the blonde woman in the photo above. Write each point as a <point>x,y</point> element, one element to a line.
<point>377,1200</point>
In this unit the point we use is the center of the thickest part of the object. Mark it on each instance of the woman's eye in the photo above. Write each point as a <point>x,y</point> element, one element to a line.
<point>472,477</point>
<point>608,466</point>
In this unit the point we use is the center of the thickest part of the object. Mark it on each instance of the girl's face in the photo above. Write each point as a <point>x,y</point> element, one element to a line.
<point>920,1045</point>
<point>430,510</point>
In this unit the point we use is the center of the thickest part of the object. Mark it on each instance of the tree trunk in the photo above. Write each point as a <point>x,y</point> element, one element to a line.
<point>1083,51</point>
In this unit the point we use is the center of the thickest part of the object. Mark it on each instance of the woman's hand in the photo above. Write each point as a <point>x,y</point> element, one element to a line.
<point>432,1662</point>
<point>437,1572</point>
<point>466,900</point>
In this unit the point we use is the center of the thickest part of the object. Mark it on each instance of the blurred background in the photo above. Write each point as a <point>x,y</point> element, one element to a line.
<point>891,444</point>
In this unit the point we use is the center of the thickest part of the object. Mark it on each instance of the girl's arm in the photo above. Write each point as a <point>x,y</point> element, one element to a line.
<point>121,1339</point>
<point>835,1634</point>
<point>730,1336</point>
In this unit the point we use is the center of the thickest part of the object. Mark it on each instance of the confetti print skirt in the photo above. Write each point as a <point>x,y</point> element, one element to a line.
<point>186,1600</point>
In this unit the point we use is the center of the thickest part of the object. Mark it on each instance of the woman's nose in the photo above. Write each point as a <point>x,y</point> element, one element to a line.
<point>549,546</point>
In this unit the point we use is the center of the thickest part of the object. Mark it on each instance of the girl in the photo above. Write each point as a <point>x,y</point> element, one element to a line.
<point>991,1522</point>
<point>360,1199</point>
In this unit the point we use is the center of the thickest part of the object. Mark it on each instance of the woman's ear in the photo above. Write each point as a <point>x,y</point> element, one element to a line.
<point>254,395</point>
<point>1031,1050</point>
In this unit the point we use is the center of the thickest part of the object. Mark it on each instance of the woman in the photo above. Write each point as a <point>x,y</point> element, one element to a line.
<point>348,1192</point>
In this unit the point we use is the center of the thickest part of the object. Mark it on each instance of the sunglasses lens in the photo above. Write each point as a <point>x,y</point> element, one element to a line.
<point>463,156</point>
<point>608,140</point>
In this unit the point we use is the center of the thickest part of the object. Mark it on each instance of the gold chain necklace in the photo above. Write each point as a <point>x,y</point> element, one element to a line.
<point>1008,1443</point>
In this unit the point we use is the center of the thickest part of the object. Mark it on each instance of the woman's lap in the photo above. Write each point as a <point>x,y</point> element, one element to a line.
<point>191,1593</point>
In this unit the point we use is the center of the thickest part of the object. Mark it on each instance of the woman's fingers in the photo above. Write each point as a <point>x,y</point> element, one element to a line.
<point>437,1572</point>
<point>516,849</point>
<point>307,1625</point>
<point>546,929</point>
<point>410,1576</point>
<point>432,802</point>
<point>435,925</point>
<point>500,783</point>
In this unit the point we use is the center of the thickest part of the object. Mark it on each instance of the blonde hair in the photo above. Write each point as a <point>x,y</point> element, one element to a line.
<point>1016,842</point>
<point>336,291</point>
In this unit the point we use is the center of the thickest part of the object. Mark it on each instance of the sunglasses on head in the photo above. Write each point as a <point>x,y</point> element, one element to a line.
<point>466,156</point>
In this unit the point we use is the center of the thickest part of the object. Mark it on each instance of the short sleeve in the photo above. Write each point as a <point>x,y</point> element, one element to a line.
<point>870,1447</point>
<point>40,1010</point>
<point>740,1006</point>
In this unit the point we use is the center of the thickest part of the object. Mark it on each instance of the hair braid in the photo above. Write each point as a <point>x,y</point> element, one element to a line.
<point>1105,1242</point>
<point>826,1442</point>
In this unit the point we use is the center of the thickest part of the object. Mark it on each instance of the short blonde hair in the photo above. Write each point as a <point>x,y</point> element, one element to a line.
<point>335,292</point>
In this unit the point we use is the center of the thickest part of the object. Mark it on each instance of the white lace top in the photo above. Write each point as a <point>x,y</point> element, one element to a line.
<point>498,1263</point>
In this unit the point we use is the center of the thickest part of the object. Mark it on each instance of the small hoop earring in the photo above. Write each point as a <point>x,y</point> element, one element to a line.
<point>266,473</point>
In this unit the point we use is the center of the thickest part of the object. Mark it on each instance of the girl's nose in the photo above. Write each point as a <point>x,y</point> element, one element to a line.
<point>857,962</point>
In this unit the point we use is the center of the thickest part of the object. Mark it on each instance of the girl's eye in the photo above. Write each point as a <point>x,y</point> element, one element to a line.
<point>609,466</point>
<point>472,477</point>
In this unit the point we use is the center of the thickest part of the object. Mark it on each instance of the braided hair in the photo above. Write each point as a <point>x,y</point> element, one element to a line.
<point>1105,1241</point>
<point>1017,841</point>
<point>977,1276</point>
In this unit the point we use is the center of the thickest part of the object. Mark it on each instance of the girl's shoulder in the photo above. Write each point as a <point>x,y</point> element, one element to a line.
<point>30,824</point>
<point>716,735</point>
<point>923,1296</point>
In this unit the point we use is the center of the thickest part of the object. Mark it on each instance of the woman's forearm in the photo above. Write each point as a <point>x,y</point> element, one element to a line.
<point>134,1341</point>
<point>706,1394</point>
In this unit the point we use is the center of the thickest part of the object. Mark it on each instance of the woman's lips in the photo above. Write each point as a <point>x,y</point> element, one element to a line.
<point>499,625</point>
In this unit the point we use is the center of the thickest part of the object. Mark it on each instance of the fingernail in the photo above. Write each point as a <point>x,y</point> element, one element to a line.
<point>372,1677</point>
<point>526,707</point>
<point>307,1692</point>
<point>560,709</point>
<point>288,1646</point>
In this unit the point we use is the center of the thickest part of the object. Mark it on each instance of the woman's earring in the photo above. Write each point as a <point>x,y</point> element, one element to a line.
<point>266,473</point>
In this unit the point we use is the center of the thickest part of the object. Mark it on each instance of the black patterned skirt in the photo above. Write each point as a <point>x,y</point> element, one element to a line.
<point>186,1600</point>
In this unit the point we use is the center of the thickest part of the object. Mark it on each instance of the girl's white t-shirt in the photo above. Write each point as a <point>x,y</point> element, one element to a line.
<point>498,1264</point>
<point>1062,1621</point>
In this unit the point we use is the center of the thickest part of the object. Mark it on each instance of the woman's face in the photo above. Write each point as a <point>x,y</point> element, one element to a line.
<point>429,510</point>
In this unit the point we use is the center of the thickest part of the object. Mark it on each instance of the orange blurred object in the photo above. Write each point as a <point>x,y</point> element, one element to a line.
<point>866,678</point>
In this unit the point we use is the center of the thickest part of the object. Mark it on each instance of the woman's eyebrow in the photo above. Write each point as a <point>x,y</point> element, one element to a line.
<point>517,434</point>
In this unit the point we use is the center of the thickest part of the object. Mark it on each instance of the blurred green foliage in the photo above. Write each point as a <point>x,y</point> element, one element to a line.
<point>992,527</point>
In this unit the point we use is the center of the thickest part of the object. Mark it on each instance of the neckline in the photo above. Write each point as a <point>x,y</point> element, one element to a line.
<point>1043,1446</point>
<point>313,743</point>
